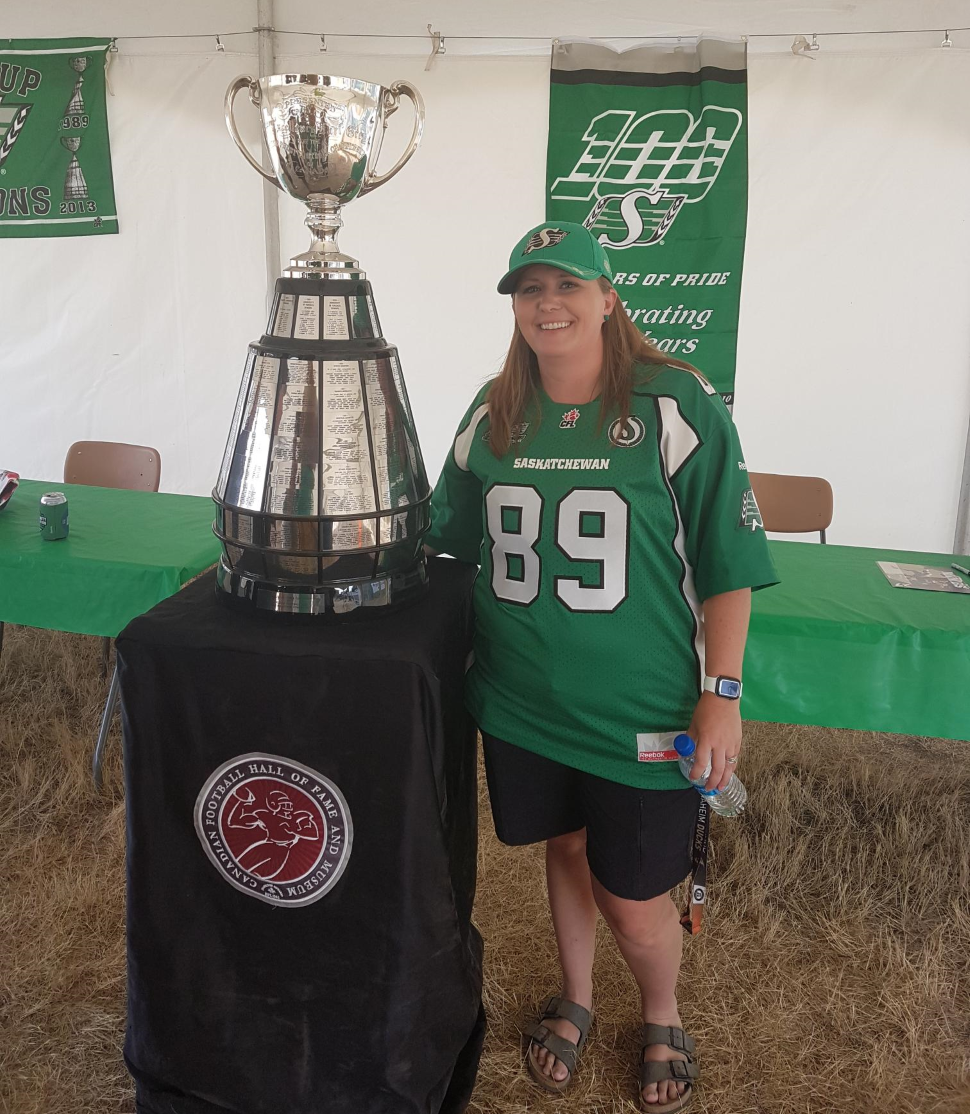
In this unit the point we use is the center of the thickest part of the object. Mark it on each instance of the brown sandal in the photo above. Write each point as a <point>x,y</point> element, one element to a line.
<point>540,1034</point>
<point>657,1071</point>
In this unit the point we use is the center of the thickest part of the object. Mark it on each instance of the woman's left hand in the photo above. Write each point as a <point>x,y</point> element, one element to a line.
<point>716,729</point>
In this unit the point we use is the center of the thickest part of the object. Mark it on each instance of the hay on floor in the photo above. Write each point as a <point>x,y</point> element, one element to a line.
<point>833,971</point>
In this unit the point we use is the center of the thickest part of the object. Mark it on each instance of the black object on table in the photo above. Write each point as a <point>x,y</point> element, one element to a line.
<point>247,740</point>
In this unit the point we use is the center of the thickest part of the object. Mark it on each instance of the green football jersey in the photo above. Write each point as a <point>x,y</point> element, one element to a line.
<point>597,547</point>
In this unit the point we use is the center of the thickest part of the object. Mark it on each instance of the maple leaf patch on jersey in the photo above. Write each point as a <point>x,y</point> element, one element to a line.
<point>569,419</point>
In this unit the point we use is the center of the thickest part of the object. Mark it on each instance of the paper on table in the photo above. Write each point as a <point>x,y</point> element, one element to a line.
<point>922,576</point>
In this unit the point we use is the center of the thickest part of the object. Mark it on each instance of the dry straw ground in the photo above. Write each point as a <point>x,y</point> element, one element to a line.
<point>833,972</point>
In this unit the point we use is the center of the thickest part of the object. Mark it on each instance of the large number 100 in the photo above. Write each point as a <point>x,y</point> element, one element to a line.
<point>591,524</point>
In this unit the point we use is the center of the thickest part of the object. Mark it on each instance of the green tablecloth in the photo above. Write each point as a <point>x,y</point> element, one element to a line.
<point>835,645</point>
<point>832,645</point>
<point>126,551</point>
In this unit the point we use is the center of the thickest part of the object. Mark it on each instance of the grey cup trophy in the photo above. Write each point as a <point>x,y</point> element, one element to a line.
<point>322,498</point>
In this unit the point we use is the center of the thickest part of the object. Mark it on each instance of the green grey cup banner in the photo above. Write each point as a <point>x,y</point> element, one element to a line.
<point>649,149</point>
<point>55,162</point>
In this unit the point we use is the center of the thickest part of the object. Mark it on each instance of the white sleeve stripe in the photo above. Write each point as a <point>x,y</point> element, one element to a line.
<point>677,440</point>
<point>463,442</point>
<point>708,389</point>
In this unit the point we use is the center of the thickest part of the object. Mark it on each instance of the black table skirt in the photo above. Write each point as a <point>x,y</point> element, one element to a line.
<point>301,858</point>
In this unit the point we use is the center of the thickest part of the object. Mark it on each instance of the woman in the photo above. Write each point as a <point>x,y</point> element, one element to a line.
<point>602,489</point>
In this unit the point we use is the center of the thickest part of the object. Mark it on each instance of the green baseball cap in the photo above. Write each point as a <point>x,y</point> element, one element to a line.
<point>570,247</point>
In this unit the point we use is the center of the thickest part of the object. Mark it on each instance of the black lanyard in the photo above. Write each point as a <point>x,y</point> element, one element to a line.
<point>693,912</point>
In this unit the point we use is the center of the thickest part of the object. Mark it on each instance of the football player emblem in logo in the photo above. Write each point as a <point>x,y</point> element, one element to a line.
<point>275,829</point>
<point>544,238</point>
<point>569,419</point>
<point>750,514</point>
<point>627,434</point>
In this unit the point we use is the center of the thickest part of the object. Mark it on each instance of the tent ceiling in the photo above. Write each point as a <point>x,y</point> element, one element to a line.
<point>498,18</point>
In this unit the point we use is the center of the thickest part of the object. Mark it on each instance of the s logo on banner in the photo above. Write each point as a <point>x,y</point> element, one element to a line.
<point>640,170</point>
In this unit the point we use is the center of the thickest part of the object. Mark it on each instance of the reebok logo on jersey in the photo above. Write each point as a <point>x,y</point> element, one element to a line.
<point>544,238</point>
<point>571,464</point>
<point>569,419</point>
<point>653,746</point>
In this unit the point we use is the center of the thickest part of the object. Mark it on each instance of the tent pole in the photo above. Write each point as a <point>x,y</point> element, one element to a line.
<point>961,539</point>
<point>271,194</point>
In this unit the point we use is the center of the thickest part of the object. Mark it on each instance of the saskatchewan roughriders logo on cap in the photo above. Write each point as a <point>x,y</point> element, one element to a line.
<point>544,238</point>
<point>275,829</point>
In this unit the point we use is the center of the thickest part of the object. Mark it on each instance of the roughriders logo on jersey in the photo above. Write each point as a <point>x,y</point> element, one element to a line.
<point>627,435</point>
<point>275,829</point>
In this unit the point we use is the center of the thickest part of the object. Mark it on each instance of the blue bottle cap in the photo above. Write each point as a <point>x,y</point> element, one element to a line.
<point>684,745</point>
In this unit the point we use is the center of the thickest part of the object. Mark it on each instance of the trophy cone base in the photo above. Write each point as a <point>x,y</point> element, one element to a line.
<point>375,596</point>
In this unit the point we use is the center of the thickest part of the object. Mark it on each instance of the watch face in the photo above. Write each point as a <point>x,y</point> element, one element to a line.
<point>727,687</point>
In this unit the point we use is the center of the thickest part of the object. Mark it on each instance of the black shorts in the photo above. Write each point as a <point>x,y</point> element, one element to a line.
<point>639,842</point>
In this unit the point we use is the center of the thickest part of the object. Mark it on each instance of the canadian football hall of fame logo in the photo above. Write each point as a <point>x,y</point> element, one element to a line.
<point>637,171</point>
<point>275,829</point>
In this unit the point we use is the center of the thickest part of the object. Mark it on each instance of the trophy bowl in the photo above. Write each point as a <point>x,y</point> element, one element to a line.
<point>324,135</point>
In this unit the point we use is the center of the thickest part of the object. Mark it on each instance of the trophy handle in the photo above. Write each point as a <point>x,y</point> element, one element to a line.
<point>246,82</point>
<point>391,101</point>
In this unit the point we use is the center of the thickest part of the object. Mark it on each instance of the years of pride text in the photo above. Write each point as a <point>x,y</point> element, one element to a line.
<point>709,278</point>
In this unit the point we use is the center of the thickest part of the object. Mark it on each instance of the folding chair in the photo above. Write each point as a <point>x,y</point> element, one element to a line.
<point>111,464</point>
<point>793,504</point>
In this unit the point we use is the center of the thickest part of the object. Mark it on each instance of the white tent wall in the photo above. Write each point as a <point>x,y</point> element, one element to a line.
<point>141,337</point>
<point>854,339</point>
<point>855,329</point>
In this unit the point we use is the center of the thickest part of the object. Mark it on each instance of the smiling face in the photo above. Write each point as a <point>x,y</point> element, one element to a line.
<point>560,315</point>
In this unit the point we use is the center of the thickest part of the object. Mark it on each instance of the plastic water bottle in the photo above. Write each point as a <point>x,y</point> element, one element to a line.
<point>728,801</point>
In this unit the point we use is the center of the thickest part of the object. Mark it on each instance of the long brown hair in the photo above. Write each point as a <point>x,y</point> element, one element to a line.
<point>627,354</point>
